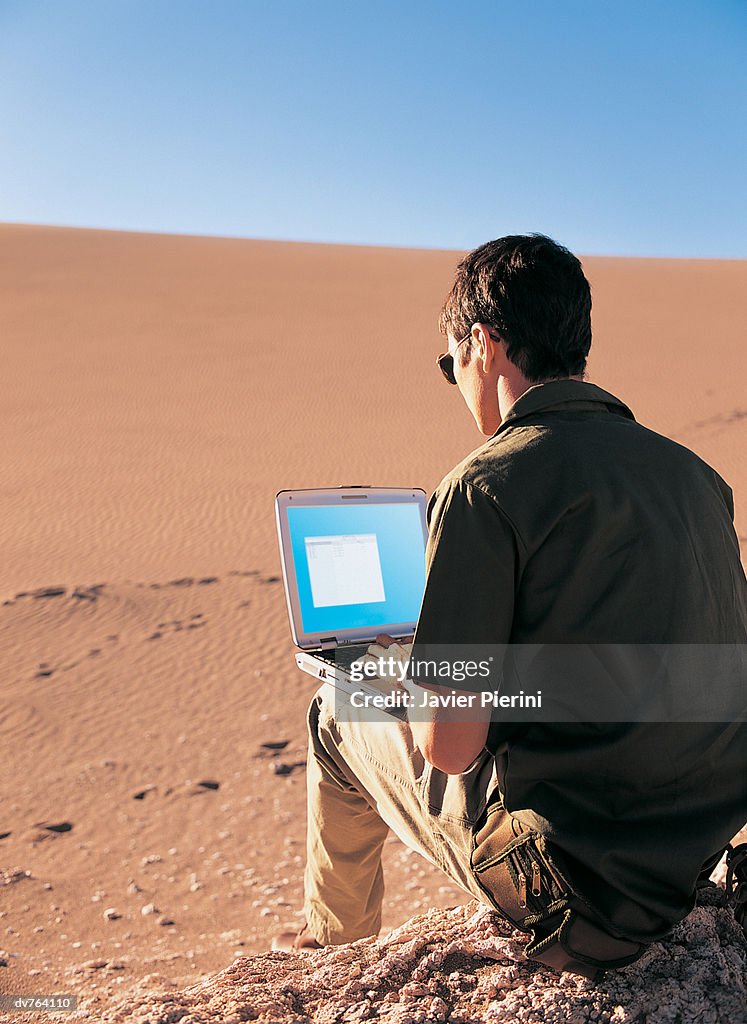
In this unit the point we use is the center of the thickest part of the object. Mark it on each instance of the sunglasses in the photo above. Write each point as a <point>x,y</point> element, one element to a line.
<point>446,361</point>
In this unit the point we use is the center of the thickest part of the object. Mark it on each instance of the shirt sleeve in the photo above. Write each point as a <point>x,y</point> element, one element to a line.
<point>471,562</point>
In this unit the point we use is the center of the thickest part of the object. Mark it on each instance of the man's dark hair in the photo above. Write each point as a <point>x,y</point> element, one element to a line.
<point>534,295</point>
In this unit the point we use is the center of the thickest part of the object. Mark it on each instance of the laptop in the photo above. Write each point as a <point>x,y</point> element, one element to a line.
<point>353,561</point>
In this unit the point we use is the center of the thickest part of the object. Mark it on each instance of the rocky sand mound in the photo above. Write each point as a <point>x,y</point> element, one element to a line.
<point>465,965</point>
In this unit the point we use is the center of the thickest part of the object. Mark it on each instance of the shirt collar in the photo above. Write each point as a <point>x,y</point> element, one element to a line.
<point>563,394</point>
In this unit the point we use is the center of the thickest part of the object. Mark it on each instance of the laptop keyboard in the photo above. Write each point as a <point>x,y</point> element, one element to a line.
<point>343,657</point>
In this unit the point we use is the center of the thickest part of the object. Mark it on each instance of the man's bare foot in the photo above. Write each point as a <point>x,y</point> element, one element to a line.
<point>290,942</point>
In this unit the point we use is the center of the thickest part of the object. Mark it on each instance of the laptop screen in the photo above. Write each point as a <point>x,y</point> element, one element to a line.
<point>357,566</point>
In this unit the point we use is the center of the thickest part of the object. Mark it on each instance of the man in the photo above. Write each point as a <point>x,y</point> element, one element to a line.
<point>572,525</point>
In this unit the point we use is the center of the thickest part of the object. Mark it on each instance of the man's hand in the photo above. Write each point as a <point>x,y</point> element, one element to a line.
<point>449,738</point>
<point>386,648</point>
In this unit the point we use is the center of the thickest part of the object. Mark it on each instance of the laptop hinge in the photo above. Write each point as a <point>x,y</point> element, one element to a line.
<point>328,643</point>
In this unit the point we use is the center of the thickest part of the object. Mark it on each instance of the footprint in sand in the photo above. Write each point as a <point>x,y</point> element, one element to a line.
<point>275,745</point>
<point>256,574</point>
<point>201,581</point>
<point>196,621</point>
<point>45,669</point>
<point>78,593</point>
<point>185,581</point>
<point>286,767</point>
<point>718,422</point>
<point>91,593</point>
<point>45,830</point>
<point>188,788</point>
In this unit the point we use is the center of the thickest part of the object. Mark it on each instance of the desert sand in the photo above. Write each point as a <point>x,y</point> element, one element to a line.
<point>158,391</point>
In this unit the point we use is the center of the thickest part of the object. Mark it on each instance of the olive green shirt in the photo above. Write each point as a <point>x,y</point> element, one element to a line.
<point>574,524</point>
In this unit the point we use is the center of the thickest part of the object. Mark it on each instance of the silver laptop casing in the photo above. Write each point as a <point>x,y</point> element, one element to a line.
<point>309,643</point>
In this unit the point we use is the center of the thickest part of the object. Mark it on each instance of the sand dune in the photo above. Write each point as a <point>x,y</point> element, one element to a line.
<point>158,392</point>
<point>160,389</point>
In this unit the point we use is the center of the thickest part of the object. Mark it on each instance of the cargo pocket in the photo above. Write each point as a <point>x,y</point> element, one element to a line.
<point>512,867</point>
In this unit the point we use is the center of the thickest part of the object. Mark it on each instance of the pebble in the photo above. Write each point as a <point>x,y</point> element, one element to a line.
<point>165,921</point>
<point>12,875</point>
<point>112,914</point>
<point>148,908</point>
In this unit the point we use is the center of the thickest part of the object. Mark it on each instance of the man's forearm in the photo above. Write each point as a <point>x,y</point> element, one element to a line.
<point>447,737</point>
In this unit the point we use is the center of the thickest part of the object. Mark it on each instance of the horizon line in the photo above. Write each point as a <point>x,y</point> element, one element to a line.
<point>342,244</point>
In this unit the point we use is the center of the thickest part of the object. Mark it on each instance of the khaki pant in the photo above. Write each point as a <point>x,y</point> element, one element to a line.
<point>366,777</point>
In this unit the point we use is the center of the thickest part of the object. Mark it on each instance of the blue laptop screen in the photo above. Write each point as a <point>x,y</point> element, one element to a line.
<point>357,565</point>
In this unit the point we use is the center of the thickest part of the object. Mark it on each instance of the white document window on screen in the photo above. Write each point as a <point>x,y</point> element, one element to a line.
<point>344,569</point>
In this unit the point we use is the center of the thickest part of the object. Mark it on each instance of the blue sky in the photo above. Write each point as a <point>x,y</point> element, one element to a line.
<point>616,127</point>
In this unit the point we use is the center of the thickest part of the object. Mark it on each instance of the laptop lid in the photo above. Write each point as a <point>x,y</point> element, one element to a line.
<point>353,562</point>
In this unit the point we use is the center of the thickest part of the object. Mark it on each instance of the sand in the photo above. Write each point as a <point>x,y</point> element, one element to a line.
<point>158,391</point>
